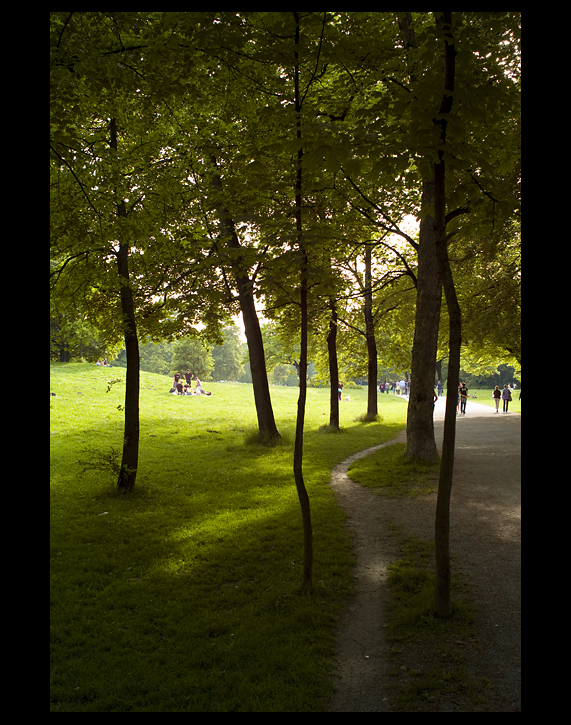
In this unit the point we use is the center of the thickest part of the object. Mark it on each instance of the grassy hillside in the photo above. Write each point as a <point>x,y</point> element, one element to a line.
<point>185,595</point>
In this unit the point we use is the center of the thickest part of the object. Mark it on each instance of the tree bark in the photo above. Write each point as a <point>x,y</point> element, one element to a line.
<point>421,445</point>
<point>299,428</point>
<point>298,447</point>
<point>442,596</point>
<point>372,366</point>
<point>333,366</point>
<point>266,421</point>
<point>439,370</point>
<point>130,457</point>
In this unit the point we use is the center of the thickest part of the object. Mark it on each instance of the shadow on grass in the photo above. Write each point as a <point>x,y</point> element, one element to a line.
<point>185,595</point>
<point>183,604</point>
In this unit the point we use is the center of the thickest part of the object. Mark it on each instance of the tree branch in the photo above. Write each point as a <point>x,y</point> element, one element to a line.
<point>64,161</point>
<point>394,228</point>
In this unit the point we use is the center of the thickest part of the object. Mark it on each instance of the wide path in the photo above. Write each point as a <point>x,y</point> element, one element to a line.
<point>485,542</point>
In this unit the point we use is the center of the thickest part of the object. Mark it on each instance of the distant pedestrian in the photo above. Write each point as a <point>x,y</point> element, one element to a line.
<point>382,388</point>
<point>340,390</point>
<point>463,398</point>
<point>497,394</point>
<point>394,386</point>
<point>439,386</point>
<point>506,397</point>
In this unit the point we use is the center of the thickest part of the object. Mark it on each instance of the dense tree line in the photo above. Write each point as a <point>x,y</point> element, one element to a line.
<point>205,163</point>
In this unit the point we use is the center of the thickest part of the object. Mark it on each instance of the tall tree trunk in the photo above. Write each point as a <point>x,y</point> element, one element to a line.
<point>333,366</point>
<point>130,457</point>
<point>372,365</point>
<point>420,443</point>
<point>262,399</point>
<point>439,370</point>
<point>299,427</point>
<point>298,448</point>
<point>442,597</point>
<point>264,410</point>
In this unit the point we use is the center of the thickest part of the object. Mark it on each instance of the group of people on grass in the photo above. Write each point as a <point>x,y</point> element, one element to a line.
<point>178,388</point>
<point>403,386</point>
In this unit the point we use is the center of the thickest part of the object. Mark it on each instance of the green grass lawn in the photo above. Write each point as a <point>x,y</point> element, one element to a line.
<point>185,596</point>
<point>388,473</point>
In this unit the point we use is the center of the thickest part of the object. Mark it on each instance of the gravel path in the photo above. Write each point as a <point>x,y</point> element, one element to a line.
<point>485,536</point>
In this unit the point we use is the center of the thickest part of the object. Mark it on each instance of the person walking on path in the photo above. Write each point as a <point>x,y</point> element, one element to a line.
<point>439,386</point>
<point>463,398</point>
<point>506,397</point>
<point>497,394</point>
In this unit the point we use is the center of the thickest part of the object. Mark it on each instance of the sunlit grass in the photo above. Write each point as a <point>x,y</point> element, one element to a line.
<point>389,474</point>
<point>185,596</point>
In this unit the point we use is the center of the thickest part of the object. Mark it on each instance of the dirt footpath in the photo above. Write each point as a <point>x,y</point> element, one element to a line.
<point>485,536</point>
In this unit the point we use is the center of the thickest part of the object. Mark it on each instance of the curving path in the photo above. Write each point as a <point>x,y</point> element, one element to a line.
<point>485,540</point>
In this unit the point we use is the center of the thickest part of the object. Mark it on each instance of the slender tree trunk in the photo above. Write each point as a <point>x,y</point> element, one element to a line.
<point>298,448</point>
<point>442,597</point>
<point>372,365</point>
<point>333,366</point>
<point>262,399</point>
<point>299,428</point>
<point>130,457</point>
<point>439,370</point>
<point>421,445</point>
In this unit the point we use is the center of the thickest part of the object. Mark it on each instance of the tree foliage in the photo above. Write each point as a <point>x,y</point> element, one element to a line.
<point>209,163</point>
